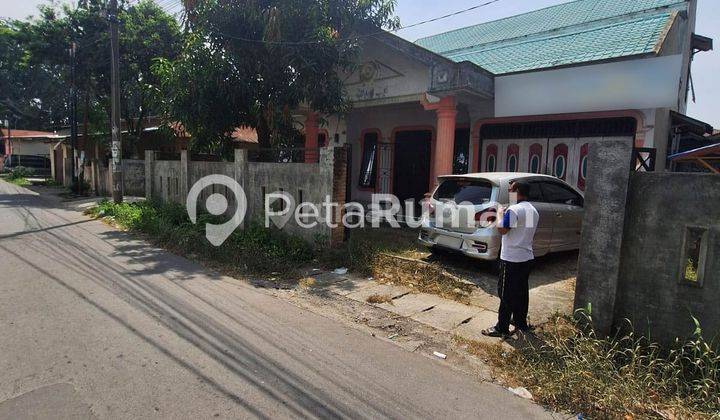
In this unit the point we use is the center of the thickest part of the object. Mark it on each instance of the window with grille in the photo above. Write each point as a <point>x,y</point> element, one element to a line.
<point>368,166</point>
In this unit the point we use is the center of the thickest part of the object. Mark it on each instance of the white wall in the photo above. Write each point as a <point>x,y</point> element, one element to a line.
<point>29,147</point>
<point>632,84</point>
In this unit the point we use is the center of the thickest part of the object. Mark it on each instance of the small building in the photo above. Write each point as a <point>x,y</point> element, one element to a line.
<point>26,148</point>
<point>527,93</point>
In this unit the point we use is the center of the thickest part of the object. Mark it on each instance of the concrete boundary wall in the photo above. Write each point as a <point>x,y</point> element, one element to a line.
<point>133,177</point>
<point>641,232</point>
<point>652,291</point>
<point>171,180</point>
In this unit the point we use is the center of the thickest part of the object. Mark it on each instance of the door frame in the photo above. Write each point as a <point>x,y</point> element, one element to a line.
<point>433,140</point>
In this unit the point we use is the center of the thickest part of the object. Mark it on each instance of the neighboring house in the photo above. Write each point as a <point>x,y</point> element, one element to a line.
<point>525,93</point>
<point>96,146</point>
<point>26,148</point>
<point>697,154</point>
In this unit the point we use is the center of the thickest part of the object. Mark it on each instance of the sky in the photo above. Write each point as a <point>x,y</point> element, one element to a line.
<point>706,67</point>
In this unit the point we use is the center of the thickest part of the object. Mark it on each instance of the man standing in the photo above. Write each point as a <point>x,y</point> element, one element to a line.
<point>517,225</point>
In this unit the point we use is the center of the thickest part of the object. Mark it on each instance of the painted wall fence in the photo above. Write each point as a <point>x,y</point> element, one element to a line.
<point>171,180</point>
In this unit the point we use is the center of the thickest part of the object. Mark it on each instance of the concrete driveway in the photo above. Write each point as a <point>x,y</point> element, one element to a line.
<point>96,324</point>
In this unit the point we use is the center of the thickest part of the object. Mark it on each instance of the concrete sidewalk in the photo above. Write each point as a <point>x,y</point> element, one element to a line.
<point>466,321</point>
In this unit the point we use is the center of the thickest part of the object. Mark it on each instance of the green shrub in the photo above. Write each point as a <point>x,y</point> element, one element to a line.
<point>254,249</point>
<point>21,172</point>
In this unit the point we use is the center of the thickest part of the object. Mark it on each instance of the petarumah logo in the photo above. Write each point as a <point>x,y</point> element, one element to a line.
<point>217,204</point>
<point>280,208</point>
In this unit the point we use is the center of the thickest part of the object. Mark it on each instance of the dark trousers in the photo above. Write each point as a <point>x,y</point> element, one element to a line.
<point>514,294</point>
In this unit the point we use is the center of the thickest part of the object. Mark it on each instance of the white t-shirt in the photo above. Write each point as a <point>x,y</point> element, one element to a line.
<point>522,220</point>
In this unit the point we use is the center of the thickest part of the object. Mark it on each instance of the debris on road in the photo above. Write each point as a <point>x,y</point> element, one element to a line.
<point>381,323</point>
<point>307,282</point>
<point>340,271</point>
<point>521,392</point>
<point>440,355</point>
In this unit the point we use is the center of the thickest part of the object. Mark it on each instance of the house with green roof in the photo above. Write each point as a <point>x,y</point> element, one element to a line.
<point>527,93</point>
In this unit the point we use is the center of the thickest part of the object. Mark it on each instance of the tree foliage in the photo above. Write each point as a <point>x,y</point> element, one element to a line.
<point>38,63</point>
<point>256,62</point>
<point>32,94</point>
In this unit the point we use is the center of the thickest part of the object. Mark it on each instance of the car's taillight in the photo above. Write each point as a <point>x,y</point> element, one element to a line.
<point>485,217</point>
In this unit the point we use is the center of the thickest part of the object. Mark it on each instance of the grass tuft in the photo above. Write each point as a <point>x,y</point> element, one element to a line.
<point>365,246</point>
<point>624,376</point>
<point>420,277</point>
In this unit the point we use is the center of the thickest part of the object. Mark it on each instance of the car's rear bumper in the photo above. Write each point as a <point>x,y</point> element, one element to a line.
<point>483,244</point>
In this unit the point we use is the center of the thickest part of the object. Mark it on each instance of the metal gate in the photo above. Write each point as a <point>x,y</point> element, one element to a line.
<point>385,168</point>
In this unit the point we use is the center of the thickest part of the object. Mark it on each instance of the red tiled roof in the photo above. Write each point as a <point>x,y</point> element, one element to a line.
<point>27,134</point>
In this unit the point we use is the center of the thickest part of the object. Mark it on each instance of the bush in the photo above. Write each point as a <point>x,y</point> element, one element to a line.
<point>20,172</point>
<point>254,250</point>
<point>81,186</point>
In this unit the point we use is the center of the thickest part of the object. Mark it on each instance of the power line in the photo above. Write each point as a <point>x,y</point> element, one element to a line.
<point>175,6</point>
<point>435,19</point>
<point>449,15</point>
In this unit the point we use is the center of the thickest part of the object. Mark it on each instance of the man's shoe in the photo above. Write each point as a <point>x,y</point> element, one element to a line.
<point>493,332</point>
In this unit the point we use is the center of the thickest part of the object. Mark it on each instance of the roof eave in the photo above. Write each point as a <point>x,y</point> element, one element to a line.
<point>582,64</point>
<point>477,78</point>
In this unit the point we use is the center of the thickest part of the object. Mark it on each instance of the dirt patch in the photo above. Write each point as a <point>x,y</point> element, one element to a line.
<point>377,299</point>
<point>420,277</point>
<point>552,282</point>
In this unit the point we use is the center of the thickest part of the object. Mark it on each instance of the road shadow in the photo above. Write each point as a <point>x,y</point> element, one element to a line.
<point>244,344</point>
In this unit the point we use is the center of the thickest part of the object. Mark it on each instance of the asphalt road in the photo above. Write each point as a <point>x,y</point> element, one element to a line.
<point>96,324</point>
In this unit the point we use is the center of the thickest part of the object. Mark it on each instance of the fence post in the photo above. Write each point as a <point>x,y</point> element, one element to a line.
<point>338,235</point>
<point>67,167</point>
<point>93,176</point>
<point>330,172</point>
<point>241,175</point>
<point>184,178</point>
<point>52,162</point>
<point>603,228</point>
<point>149,173</point>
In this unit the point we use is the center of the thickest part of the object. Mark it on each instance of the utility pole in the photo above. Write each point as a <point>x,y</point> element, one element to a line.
<point>73,117</point>
<point>116,162</point>
<point>8,143</point>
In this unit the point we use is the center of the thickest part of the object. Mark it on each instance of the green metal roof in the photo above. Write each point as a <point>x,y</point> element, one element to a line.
<point>571,33</point>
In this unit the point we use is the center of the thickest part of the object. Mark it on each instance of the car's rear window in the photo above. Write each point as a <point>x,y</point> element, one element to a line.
<point>464,190</point>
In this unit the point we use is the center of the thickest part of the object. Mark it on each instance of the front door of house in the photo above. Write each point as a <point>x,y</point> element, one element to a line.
<point>411,177</point>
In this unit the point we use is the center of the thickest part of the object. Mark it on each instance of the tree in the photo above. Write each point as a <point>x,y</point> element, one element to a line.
<point>147,32</point>
<point>255,62</point>
<point>31,94</point>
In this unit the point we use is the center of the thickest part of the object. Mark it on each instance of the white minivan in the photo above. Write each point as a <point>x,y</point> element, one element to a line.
<point>560,207</point>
